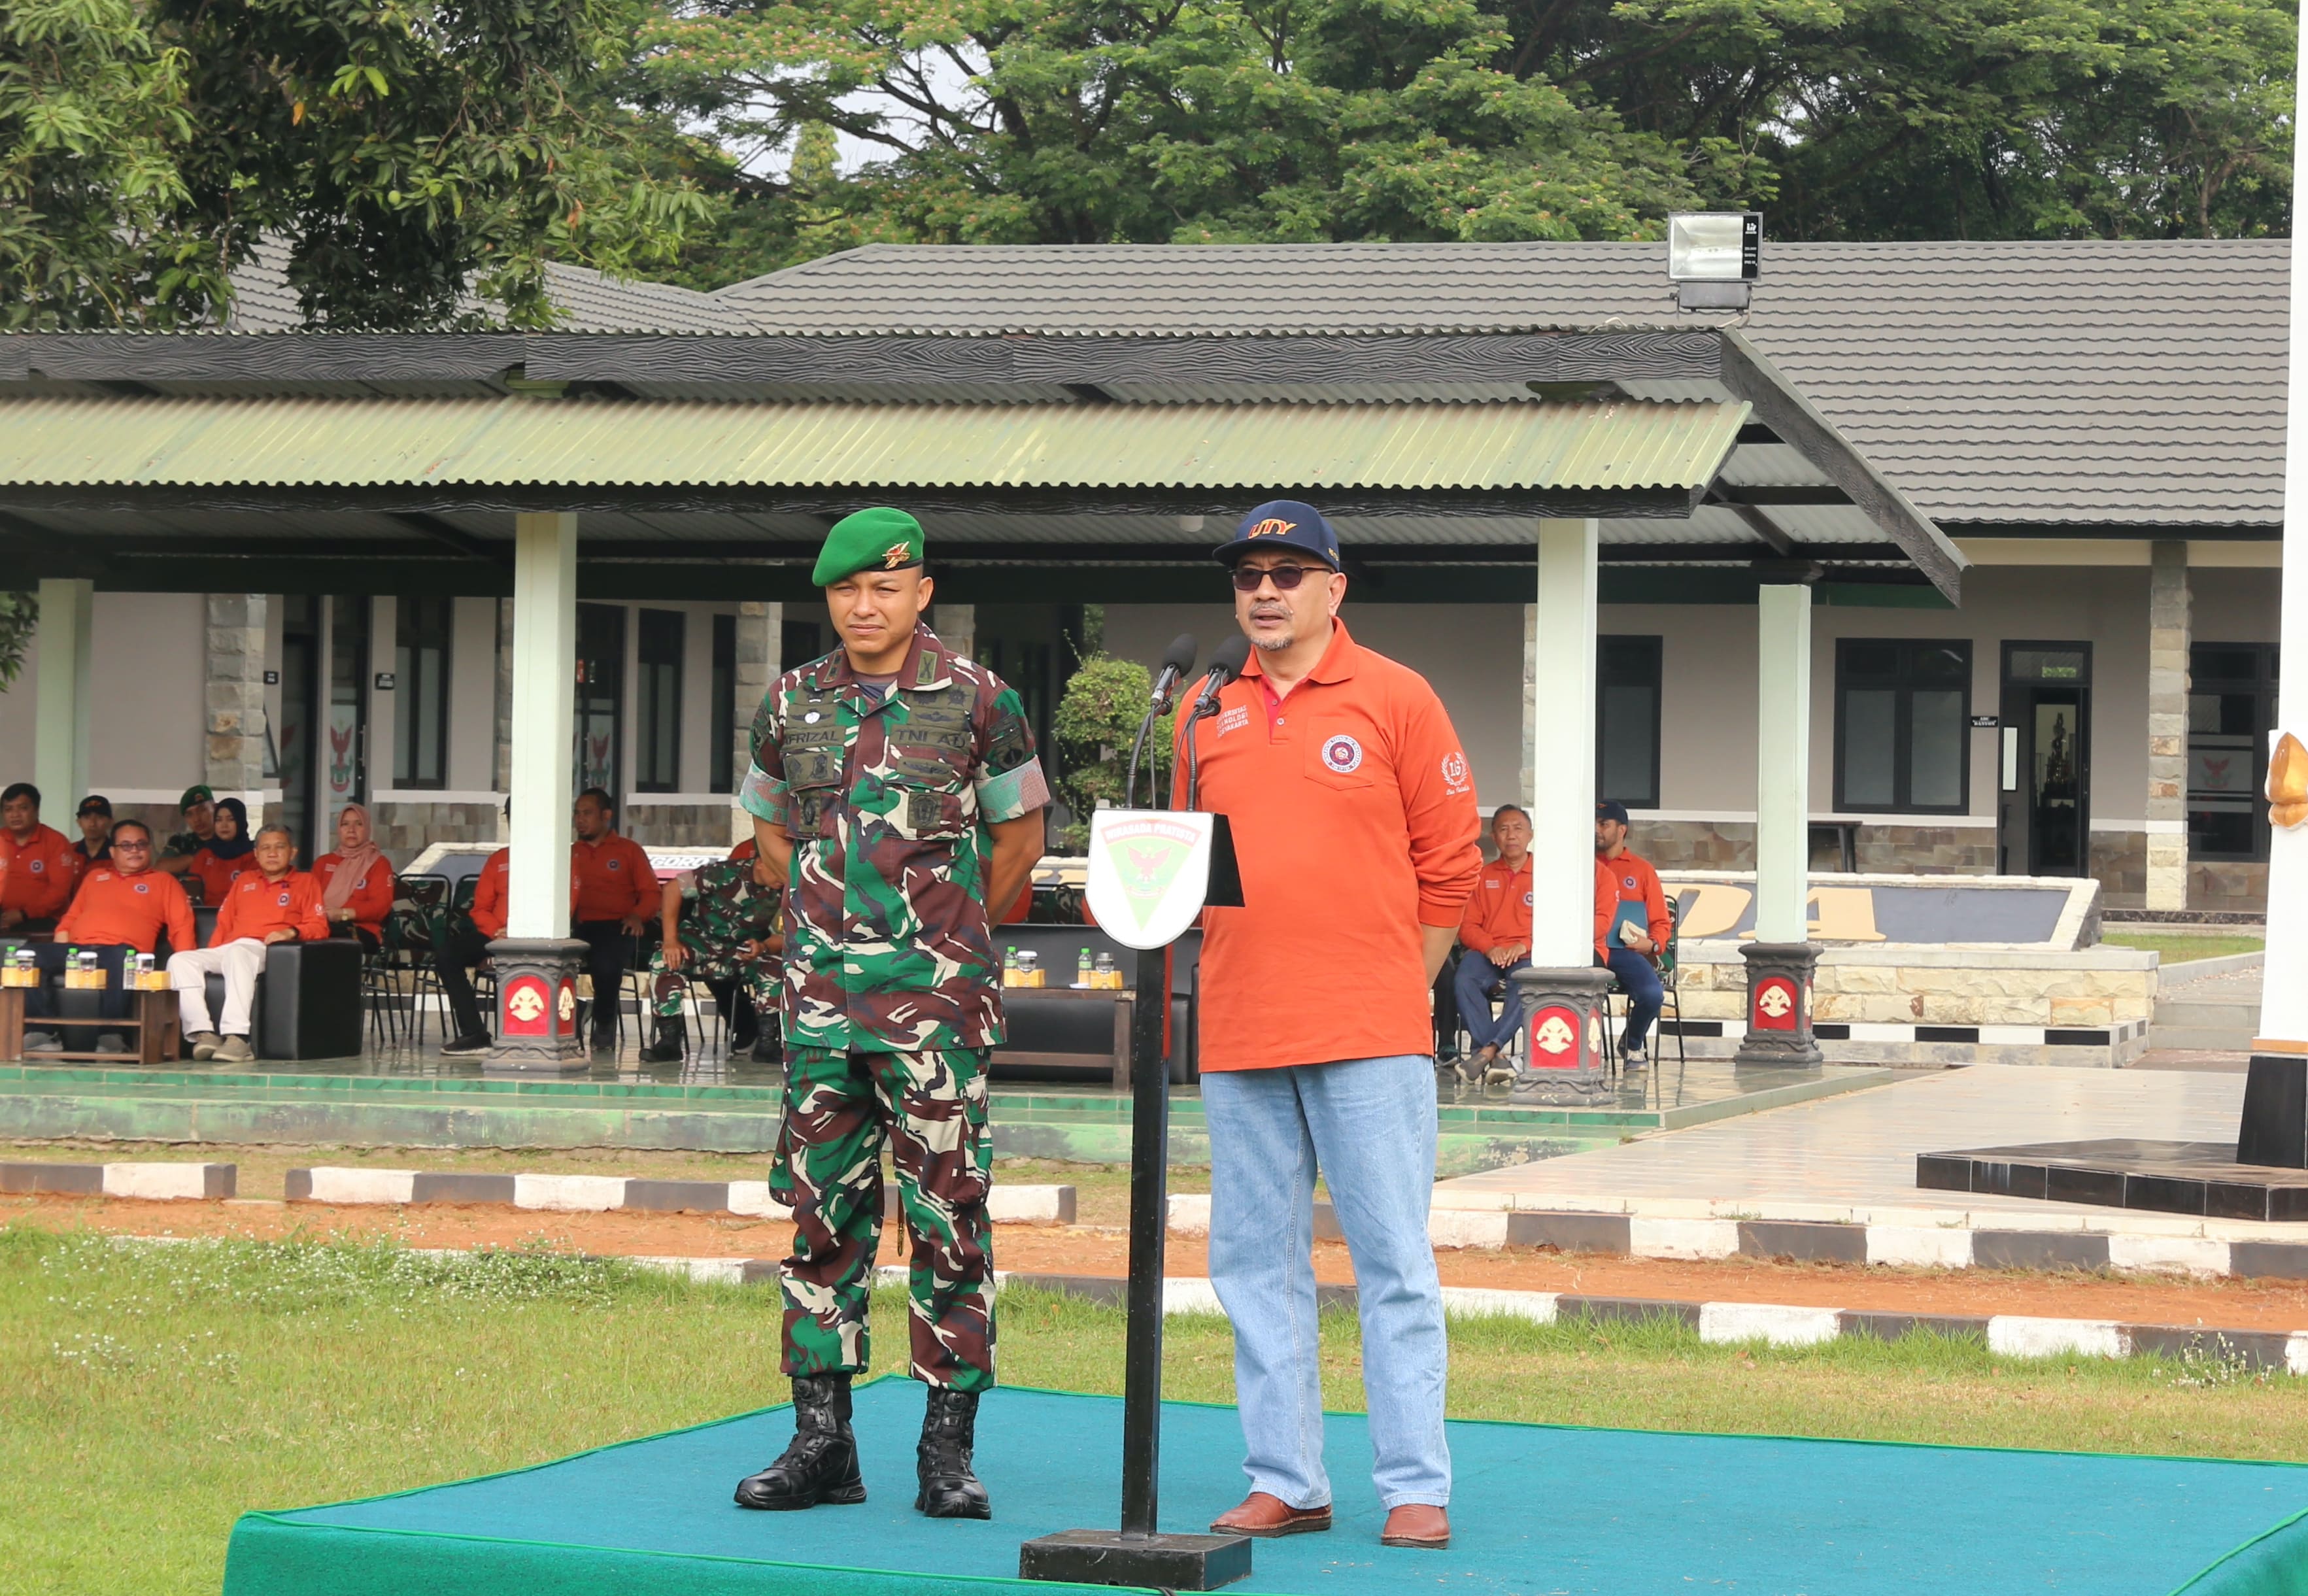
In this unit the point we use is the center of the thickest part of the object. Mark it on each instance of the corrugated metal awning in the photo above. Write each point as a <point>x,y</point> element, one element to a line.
<point>281,442</point>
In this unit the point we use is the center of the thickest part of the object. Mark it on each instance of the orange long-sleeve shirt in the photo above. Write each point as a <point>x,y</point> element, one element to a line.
<point>1353,820</point>
<point>257,906</point>
<point>613,878</point>
<point>1499,909</point>
<point>1633,881</point>
<point>41,873</point>
<point>217,875</point>
<point>113,908</point>
<point>490,894</point>
<point>489,913</point>
<point>371,901</point>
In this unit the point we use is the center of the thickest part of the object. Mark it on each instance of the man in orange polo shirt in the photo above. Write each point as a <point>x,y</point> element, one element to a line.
<point>274,902</point>
<point>1631,952</point>
<point>615,888</point>
<point>1496,935</point>
<point>1354,822</point>
<point>123,905</point>
<point>43,868</point>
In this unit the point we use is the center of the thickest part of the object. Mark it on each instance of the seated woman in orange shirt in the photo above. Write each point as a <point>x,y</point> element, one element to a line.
<point>357,881</point>
<point>225,855</point>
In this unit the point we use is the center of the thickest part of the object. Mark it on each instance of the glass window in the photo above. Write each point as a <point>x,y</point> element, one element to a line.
<point>721,774</point>
<point>2231,709</point>
<point>1627,675</point>
<point>658,704</point>
<point>1902,714</point>
<point>420,754</point>
<point>600,695</point>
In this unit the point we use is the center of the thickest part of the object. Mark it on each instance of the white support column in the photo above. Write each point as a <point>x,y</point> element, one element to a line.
<point>1563,747</point>
<point>2284,983</point>
<point>60,729</point>
<point>544,723</point>
<point>1782,763</point>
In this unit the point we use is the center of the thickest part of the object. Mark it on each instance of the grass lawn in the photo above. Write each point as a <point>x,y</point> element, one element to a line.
<point>2178,948</point>
<point>148,1394</point>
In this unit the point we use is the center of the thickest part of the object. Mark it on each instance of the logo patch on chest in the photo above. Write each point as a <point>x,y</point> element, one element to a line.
<point>1343,754</point>
<point>1234,719</point>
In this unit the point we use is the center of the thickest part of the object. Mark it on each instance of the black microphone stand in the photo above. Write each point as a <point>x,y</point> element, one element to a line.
<point>1140,1554</point>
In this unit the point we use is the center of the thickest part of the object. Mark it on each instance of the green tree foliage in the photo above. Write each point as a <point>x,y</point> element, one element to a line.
<point>92,225</point>
<point>405,155</point>
<point>1094,121</point>
<point>1949,118</point>
<point>1086,121</point>
<point>1094,726</point>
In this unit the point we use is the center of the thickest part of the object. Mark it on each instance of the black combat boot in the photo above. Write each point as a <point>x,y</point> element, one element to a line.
<point>671,1042</point>
<point>949,1433</point>
<point>767,1049</point>
<point>820,1464</point>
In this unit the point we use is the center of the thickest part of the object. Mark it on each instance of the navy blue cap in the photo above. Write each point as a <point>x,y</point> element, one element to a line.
<point>1610,810</point>
<point>1281,523</point>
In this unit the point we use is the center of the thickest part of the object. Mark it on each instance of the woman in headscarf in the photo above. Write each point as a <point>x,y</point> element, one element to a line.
<point>357,881</point>
<point>225,854</point>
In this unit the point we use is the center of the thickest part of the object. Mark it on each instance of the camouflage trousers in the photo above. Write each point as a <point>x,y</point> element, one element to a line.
<point>758,977</point>
<point>840,1107</point>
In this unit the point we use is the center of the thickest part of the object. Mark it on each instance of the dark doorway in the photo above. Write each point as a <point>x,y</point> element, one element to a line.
<point>300,710</point>
<point>344,755</point>
<point>2044,804</point>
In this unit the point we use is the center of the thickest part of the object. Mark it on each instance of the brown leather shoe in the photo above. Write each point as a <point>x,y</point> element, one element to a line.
<point>1415,1523</point>
<point>1265,1516</point>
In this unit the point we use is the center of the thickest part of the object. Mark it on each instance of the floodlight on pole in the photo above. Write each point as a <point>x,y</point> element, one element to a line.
<point>1713,257</point>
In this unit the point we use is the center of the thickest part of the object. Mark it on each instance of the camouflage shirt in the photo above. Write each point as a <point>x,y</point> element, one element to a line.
<point>887,797</point>
<point>721,908</point>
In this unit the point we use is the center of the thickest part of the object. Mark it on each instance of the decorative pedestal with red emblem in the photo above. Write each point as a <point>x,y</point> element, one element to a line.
<point>1563,1018</point>
<point>537,1005</point>
<point>1778,1006</point>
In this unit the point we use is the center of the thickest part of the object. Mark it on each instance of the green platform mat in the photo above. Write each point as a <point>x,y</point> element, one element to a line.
<point>1537,1509</point>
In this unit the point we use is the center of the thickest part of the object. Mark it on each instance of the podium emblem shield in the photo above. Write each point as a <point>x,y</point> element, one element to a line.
<point>1150,872</point>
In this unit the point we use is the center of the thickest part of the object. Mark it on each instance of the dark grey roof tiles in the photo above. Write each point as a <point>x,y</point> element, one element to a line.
<point>264,302</point>
<point>2057,382</point>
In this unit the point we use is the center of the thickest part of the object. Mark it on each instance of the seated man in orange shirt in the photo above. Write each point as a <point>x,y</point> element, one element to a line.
<point>1630,951</point>
<point>42,867</point>
<point>274,902</point>
<point>615,888</point>
<point>357,881</point>
<point>1496,932</point>
<point>122,907</point>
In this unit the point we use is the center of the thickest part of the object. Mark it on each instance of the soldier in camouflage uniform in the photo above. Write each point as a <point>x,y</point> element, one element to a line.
<point>895,787</point>
<point>720,926</point>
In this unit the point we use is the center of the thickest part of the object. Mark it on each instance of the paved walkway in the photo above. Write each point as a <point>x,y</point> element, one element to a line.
<point>1843,1158</point>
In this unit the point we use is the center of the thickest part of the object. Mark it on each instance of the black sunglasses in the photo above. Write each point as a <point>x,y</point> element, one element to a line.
<point>1286,577</point>
<point>130,844</point>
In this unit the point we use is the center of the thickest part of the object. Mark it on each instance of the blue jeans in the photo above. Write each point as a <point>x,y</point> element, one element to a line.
<point>1476,976</point>
<point>1639,977</point>
<point>1368,1124</point>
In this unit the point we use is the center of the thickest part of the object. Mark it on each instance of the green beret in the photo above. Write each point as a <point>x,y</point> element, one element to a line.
<point>868,541</point>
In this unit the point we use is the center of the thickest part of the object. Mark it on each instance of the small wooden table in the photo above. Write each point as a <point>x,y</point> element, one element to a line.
<point>1125,1003</point>
<point>152,1018</point>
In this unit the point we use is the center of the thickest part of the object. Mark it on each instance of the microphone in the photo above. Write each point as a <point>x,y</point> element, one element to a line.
<point>1177,660</point>
<point>1225,665</point>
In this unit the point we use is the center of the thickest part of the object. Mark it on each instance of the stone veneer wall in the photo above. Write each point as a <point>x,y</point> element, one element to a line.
<point>2119,861</point>
<point>1881,850</point>
<point>677,825</point>
<point>2092,988</point>
<point>405,830</point>
<point>2227,885</point>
